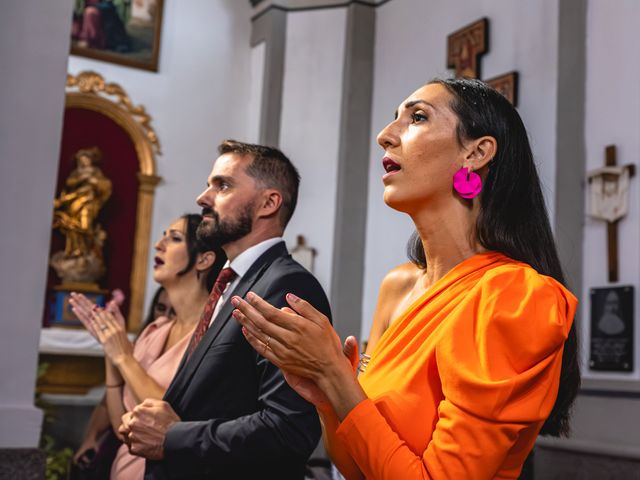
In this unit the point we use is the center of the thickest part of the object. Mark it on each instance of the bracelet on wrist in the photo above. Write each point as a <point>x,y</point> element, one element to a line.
<point>117,385</point>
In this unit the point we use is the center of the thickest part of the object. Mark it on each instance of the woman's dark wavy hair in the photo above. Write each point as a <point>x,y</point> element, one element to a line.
<point>196,246</point>
<point>513,217</point>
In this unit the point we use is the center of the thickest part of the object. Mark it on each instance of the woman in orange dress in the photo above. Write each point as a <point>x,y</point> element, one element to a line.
<point>483,356</point>
<point>187,269</point>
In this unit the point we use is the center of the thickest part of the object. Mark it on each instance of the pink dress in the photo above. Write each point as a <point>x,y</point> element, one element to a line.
<point>159,366</point>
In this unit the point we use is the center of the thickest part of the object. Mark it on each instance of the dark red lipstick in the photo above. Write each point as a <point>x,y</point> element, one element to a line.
<point>389,165</point>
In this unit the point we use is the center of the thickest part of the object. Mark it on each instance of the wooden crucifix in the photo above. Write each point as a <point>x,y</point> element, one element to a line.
<point>465,48</point>
<point>609,201</point>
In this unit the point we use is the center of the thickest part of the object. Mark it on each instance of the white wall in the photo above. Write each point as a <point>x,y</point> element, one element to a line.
<point>31,106</point>
<point>410,49</point>
<point>310,123</point>
<point>199,96</point>
<point>612,116</point>
<point>256,92</point>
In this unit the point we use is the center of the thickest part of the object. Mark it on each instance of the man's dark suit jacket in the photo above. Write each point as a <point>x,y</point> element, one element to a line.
<point>240,419</point>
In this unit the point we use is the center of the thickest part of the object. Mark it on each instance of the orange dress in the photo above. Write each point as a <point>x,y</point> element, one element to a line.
<point>460,385</point>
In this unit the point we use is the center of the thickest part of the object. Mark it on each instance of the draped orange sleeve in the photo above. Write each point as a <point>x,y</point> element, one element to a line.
<point>460,385</point>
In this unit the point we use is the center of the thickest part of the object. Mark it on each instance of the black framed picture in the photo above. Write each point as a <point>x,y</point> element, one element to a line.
<point>612,329</point>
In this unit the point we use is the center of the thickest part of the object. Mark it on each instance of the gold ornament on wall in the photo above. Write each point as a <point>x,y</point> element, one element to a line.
<point>92,83</point>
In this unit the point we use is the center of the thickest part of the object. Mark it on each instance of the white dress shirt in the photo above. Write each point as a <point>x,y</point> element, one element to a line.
<point>241,265</point>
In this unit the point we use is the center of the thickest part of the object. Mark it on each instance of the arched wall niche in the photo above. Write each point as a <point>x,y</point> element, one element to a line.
<point>90,92</point>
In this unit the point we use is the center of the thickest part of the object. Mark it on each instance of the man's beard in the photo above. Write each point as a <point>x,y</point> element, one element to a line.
<point>221,233</point>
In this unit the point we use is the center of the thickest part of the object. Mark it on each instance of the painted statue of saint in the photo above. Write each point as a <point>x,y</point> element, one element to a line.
<point>75,216</point>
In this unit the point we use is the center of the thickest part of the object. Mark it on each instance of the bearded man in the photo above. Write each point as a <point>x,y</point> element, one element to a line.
<point>228,412</point>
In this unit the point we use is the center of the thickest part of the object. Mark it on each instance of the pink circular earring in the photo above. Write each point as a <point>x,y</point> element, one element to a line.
<point>467,183</point>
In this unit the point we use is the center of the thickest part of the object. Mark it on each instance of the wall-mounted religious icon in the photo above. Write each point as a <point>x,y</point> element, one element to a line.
<point>465,46</point>
<point>76,210</point>
<point>507,85</point>
<point>609,201</point>
<point>612,329</point>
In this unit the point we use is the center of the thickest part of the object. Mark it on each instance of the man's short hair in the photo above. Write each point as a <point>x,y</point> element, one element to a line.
<point>272,169</point>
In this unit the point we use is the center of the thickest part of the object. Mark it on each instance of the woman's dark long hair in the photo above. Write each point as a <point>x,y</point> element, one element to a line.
<point>152,311</point>
<point>152,308</point>
<point>513,217</point>
<point>196,246</point>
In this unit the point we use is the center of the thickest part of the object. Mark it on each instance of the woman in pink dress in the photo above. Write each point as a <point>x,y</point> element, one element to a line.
<point>85,465</point>
<point>186,268</point>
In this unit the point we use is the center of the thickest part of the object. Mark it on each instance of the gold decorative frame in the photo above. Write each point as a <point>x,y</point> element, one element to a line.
<point>88,90</point>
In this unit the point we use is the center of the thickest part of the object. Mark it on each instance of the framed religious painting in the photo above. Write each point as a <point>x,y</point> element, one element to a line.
<point>126,32</point>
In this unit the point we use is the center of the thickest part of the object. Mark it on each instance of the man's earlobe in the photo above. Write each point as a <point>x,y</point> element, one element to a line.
<point>272,202</point>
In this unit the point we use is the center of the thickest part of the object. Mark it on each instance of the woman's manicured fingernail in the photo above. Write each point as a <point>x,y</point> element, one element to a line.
<point>236,314</point>
<point>235,301</point>
<point>292,298</point>
<point>251,296</point>
<point>245,332</point>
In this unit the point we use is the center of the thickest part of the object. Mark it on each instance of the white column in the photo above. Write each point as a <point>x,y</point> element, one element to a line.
<point>34,43</point>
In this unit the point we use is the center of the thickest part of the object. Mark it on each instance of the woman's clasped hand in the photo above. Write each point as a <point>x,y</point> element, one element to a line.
<point>107,325</point>
<point>302,342</point>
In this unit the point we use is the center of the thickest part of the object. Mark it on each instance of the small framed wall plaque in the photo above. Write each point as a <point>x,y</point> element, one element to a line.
<point>612,335</point>
<point>507,85</point>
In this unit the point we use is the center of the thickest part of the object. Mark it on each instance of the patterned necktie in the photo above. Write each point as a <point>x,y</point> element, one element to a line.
<point>226,276</point>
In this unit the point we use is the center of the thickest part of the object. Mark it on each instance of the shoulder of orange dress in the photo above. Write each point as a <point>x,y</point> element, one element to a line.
<point>515,275</point>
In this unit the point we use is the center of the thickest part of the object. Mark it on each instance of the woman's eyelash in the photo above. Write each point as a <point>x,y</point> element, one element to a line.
<point>418,116</point>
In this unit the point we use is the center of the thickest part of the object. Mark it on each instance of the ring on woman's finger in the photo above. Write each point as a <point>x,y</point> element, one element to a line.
<point>103,328</point>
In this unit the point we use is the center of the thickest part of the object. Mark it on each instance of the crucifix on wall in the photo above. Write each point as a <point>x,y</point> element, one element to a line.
<point>466,46</point>
<point>609,201</point>
<point>464,49</point>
